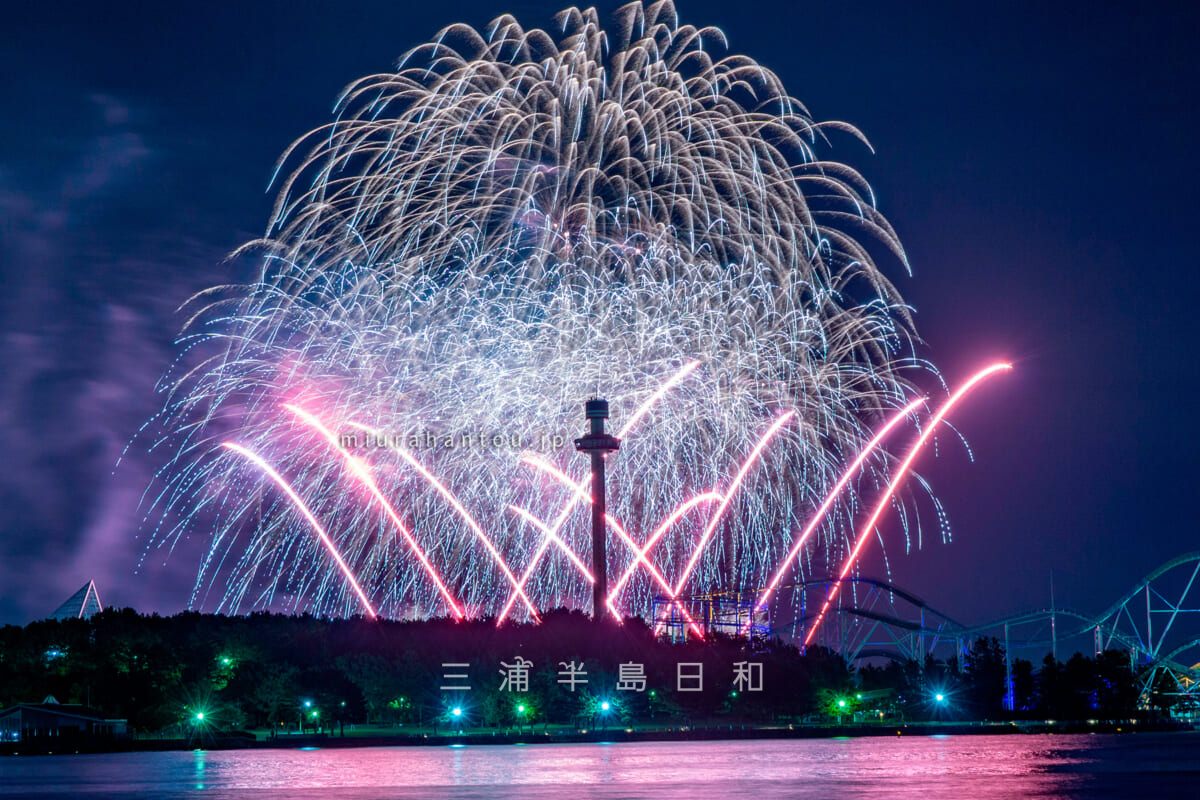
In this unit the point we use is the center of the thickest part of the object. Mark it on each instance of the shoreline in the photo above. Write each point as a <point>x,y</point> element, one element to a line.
<point>247,741</point>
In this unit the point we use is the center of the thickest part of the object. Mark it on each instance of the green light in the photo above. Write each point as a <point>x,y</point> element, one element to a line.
<point>859,695</point>
<point>841,703</point>
<point>520,709</point>
<point>316,714</point>
<point>653,693</point>
<point>457,712</point>
<point>226,661</point>
<point>733,693</point>
<point>200,716</point>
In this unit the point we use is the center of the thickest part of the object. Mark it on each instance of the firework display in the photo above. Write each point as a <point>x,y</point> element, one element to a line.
<point>512,222</point>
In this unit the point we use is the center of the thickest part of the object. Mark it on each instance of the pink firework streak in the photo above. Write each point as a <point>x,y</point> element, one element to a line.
<point>363,474</point>
<point>544,528</point>
<point>727,497</point>
<point>819,516</point>
<point>725,500</point>
<point>312,520</point>
<point>658,575</point>
<point>882,505</point>
<point>639,553</point>
<point>641,556</point>
<point>538,462</point>
<point>643,552</point>
<point>462,512</point>
<point>641,411</point>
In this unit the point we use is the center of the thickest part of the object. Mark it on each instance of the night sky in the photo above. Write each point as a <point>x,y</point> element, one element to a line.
<point>1038,164</point>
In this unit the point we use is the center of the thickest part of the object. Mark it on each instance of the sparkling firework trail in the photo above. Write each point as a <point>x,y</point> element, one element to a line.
<point>900,474</point>
<point>308,515</point>
<point>511,222</point>
<point>578,492</point>
<point>642,552</point>
<point>698,550</point>
<point>639,554</point>
<point>363,473</point>
<point>544,528</point>
<point>819,516</point>
<point>654,572</point>
<point>728,496</point>
<point>462,512</point>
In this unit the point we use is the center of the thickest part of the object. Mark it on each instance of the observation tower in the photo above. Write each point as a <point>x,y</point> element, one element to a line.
<point>598,444</point>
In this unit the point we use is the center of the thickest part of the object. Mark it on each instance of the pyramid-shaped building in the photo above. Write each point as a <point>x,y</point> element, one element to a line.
<point>80,605</point>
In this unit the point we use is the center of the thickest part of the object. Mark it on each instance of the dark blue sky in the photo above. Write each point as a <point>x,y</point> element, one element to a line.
<point>1037,162</point>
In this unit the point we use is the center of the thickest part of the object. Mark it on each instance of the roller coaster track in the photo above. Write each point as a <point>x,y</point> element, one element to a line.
<point>1157,620</point>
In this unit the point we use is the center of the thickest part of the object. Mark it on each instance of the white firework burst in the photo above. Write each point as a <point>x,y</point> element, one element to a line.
<point>512,222</point>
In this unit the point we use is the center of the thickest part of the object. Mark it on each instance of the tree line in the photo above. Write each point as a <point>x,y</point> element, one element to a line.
<point>286,673</point>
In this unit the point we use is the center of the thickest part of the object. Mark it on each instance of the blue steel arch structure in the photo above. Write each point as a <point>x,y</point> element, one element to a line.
<point>1156,597</point>
<point>872,617</point>
<point>1157,621</point>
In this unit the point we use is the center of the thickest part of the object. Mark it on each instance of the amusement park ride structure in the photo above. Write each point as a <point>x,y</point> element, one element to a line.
<point>1157,621</point>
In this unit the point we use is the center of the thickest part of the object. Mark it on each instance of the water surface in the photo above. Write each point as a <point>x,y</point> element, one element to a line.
<point>924,767</point>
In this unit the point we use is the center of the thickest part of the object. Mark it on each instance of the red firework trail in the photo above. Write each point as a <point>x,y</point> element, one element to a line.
<point>543,464</point>
<point>653,571</point>
<point>537,462</point>
<point>363,473</point>
<point>312,520</point>
<point>558,523</point>
<point>725,500</point>
<point>544,528</point>
<point>815,522</point>
<point>900,474</point>
<point>462,512</point>
<point>642,552</point>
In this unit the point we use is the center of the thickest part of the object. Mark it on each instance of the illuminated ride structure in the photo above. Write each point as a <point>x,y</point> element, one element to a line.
<point>871,618</point>
<point>1157,621</point>
<point>729,613</point>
